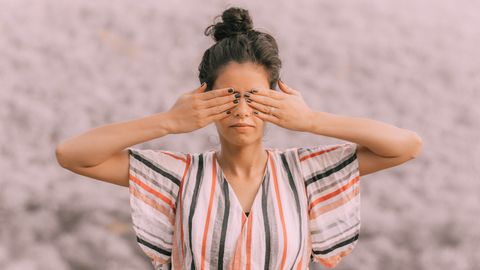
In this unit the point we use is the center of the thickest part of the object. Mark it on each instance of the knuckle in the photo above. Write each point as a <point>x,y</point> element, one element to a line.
<point>197,105</point>
<point>198,122</point>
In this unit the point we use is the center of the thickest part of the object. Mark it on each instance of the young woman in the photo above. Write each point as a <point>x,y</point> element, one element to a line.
<point>242,206</point>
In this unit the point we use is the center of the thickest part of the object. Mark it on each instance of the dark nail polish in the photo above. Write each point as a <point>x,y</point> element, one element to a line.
<point>235,101</point>
<point>247,95</point>
<point>229,112</point>
<point>255,112</point>
<point>230,90</point>
<point>237,95</point>
<point>254,91</point>
<point>249,100</point>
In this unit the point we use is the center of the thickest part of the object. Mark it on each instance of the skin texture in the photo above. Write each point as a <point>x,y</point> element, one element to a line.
<point>242,154</point>
<point>379,145</point>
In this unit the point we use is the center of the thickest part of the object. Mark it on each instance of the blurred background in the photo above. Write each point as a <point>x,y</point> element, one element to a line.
<point>70,66</point>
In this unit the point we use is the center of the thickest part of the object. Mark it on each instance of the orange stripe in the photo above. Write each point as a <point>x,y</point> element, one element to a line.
<point>279,204</point>
<point>249,240</point>
<point>237,257</point>
<point>155,257</point>
<point>318,153</point>
<point>207,222</point>
<point>332,261</point>
<point>335,204</point>
<point>152,191</point>
<point>160,208</point>
<point>334,193</point>
<point>174,156</point>
<point>181,205</point>
<point>300,263</point>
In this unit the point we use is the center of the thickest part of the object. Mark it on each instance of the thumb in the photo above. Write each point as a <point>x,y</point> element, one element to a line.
<point>201,89</point>
<point>284,87</point>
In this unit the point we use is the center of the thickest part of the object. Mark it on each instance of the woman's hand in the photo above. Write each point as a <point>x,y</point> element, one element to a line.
<point>196,109</point>
<point>286,109</point>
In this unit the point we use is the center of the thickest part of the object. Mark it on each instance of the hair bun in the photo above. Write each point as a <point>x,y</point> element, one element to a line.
<point>235,21</point>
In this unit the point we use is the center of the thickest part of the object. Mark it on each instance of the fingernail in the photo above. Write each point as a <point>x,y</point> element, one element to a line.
<point>255,112</point>
<point>229,112</point>
<point>230,90</point>
<point>247,94</point>
<point>237,95</point>
<point>249,100</point>
<point>235,101</point>
<point>254,91</point>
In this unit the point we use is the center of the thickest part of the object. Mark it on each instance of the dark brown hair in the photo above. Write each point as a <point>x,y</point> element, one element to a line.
<point>236,40</point>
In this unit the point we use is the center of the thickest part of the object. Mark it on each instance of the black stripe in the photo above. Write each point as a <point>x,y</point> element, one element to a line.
<point>152,246</point>
<point>194,204</point>
<point>226,213</point>
<point>154,167</point>
<point>346,242</point>
<point>266,224</point>
<point>297,204</point>
<point>336,168</point>
<point>183,187</point>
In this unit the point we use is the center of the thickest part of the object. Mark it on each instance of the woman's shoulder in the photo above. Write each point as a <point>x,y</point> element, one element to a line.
<point>283,151</point>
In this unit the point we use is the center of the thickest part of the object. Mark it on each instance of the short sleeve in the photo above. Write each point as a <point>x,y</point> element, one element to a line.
<point>332,181</point>
<point>154,184</point>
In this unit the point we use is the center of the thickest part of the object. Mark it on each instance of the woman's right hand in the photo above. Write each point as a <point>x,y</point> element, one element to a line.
<point>196,109</point>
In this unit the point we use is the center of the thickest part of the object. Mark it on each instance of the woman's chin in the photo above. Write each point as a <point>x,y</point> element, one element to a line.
<point>242,139</point>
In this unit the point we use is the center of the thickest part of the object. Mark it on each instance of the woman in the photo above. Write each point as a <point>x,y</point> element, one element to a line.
<point>242,206</point>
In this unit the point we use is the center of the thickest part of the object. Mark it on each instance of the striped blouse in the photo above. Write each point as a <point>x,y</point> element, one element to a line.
<point>186,215</point>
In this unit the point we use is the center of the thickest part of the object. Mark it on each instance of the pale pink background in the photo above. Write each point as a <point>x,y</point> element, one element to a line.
<point>69,66</point>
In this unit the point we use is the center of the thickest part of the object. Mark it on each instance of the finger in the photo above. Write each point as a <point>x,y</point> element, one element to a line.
<point>262,108</point>
<point>223,108</point>
<point>216,93</point>
<point>266,100</point>
<point>285,88</point>
<point>219,101</point>
<point>267,117</point>
<point>220,112</point>
<point>217,117</point>
<point>201,89</point>
<point>267,92</point>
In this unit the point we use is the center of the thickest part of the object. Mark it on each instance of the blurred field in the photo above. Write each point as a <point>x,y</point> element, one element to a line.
<point>69,66</point>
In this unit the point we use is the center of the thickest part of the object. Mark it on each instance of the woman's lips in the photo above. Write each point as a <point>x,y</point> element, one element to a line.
<point>241,126</point>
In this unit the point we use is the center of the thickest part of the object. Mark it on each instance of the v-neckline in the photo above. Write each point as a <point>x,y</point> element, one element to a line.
<point>259,190</point>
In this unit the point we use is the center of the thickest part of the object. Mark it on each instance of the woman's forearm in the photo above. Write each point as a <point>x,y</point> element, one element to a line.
<point>381,138</point>
<point>97,145</point>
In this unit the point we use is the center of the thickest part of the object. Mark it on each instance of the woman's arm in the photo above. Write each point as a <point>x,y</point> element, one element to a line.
<point>99,153</point>
<point>379,145</point>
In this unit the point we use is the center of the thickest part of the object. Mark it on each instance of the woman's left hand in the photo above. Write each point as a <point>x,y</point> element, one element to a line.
<point>286,108</point>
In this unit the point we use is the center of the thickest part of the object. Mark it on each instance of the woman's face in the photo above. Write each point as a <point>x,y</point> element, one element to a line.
<point>242,78</point>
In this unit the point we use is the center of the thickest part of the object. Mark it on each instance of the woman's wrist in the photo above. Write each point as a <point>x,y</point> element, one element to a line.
<point>157,125</point>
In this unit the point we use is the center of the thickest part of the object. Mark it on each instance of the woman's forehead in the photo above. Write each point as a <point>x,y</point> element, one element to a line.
<point>242,77</point>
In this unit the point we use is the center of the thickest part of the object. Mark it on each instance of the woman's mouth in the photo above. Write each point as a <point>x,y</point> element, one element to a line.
<point>241,125</point>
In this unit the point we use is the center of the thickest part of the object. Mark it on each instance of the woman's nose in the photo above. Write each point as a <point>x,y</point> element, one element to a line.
<point>242,107</point>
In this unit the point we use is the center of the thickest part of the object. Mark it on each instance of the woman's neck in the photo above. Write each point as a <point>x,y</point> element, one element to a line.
<point>242,162</point>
